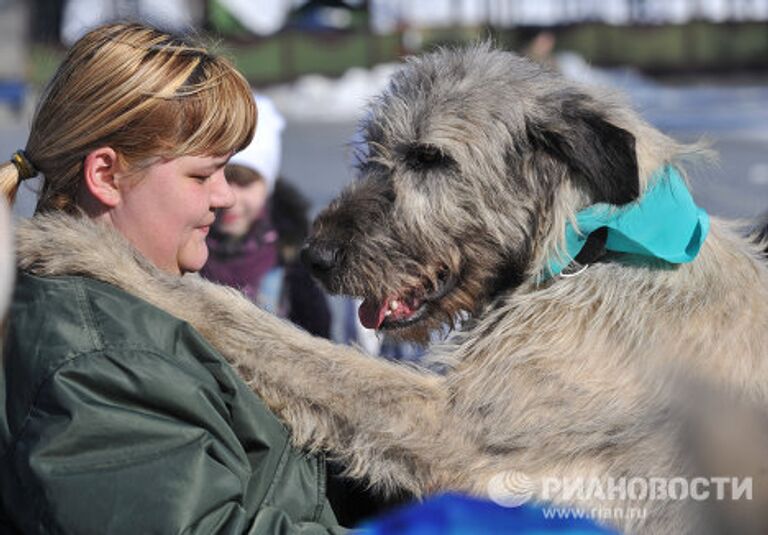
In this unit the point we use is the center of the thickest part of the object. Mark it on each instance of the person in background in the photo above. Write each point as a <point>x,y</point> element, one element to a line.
<point>302,300</point>
<point>242,242</point>
<point>253,244</point>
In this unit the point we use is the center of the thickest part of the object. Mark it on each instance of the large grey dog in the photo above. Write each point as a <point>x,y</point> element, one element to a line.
<point>475,161</point>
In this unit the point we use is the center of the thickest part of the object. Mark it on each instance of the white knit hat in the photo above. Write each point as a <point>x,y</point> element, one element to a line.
<point>264,153</point>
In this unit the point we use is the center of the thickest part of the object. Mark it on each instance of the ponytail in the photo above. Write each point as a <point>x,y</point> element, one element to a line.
<point>13,172</point>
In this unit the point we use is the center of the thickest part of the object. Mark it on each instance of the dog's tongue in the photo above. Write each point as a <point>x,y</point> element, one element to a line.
<point>371,313</point>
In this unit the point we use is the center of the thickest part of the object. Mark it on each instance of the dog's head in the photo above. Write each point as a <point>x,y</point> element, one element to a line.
<point>473,159</point>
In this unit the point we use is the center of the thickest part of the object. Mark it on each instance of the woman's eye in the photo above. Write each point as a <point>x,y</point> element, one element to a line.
<point>201,178</point>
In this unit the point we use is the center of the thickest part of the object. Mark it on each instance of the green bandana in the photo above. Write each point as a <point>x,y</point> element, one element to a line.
<point>664,223</point>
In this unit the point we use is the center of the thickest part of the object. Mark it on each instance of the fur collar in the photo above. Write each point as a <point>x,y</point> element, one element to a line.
<point>59,244</point>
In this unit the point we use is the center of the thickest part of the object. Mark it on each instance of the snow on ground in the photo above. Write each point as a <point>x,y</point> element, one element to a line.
<point>716,109</point>
<point>318,98</point>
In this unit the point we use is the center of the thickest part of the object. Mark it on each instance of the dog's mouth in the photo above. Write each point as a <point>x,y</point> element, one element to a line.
<point>408,306</point>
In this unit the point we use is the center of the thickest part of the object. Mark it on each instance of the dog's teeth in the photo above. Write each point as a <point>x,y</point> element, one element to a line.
<point>394,304</point>
<point>388,313</point>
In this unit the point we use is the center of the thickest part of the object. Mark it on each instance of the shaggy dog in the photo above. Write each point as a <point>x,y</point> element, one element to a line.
<point>476,159</point>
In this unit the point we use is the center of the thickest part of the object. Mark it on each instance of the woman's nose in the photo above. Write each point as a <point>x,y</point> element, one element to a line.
<point>222,194</point>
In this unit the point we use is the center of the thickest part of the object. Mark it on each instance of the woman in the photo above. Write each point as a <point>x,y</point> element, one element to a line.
<point>117,416</point>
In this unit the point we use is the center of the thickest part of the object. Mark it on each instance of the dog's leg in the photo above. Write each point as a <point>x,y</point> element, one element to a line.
<point>388,422</point>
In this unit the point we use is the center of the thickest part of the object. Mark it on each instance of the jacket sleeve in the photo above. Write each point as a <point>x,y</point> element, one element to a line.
<point>132,443</point>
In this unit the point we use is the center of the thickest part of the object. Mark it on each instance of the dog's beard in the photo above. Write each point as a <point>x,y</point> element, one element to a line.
<point>442,298</point>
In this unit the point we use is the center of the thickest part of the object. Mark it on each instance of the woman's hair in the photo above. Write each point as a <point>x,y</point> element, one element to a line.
<point>142,92</point>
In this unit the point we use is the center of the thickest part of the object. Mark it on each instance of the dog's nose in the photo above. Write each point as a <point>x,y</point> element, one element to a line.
<point>320,257</point>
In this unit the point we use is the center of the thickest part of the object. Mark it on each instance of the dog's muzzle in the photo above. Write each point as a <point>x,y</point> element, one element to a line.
<point>322,259</point>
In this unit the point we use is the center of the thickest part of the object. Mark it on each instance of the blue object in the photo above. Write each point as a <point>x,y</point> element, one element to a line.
<point>271,290</point>
<point>664,223</point>
<point>451,514</point>
<point>12,92</point>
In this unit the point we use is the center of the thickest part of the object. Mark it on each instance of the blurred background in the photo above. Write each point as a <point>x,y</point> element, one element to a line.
<point>692,67</point>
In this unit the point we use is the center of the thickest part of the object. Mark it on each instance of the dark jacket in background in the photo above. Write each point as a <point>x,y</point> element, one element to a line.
<point>242,262</point>
<point>264,264</point>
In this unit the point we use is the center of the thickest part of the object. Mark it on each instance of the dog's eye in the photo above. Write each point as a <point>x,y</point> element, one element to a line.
<point>426,157</point>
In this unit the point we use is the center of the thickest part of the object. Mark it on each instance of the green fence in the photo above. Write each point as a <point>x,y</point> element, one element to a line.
<point>678,49</point>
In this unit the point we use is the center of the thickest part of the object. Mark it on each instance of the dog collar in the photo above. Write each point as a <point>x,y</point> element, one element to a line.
<point>664,223</point>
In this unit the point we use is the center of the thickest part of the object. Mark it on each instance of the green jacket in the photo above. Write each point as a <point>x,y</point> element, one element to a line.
<point>119,418</point>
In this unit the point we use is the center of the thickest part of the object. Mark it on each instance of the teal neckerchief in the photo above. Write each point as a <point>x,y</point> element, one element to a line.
<point>664,223</point>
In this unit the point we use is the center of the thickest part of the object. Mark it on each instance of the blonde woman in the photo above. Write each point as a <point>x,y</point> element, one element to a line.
<point>118,417</point>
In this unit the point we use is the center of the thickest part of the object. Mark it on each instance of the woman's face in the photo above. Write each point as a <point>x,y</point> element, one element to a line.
<point>168,208</point>
<point>248,206</point>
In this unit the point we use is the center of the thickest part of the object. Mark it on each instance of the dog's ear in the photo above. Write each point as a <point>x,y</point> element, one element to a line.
<point>597,152</point>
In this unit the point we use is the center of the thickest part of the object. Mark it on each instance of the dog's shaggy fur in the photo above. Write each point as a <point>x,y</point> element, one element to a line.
<point>476,159</point>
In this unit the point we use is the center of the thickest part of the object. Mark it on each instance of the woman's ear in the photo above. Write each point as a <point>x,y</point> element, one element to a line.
<point>100,171</point>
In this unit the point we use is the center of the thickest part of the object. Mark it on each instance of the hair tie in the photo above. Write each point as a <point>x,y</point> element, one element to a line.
<point>23,165</point>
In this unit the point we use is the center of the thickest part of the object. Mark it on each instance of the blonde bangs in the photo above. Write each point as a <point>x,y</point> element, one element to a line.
<point>145,93</point>
<point>218,115</point>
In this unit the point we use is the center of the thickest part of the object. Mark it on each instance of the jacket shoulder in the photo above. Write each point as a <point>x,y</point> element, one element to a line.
<point>63,316</point>
<point>54,320</point>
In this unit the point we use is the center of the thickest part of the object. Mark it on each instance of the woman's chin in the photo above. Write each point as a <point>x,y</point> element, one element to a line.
<point>192,259</point>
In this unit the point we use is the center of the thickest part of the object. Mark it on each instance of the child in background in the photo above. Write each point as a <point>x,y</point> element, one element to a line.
<point>247,250</point>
